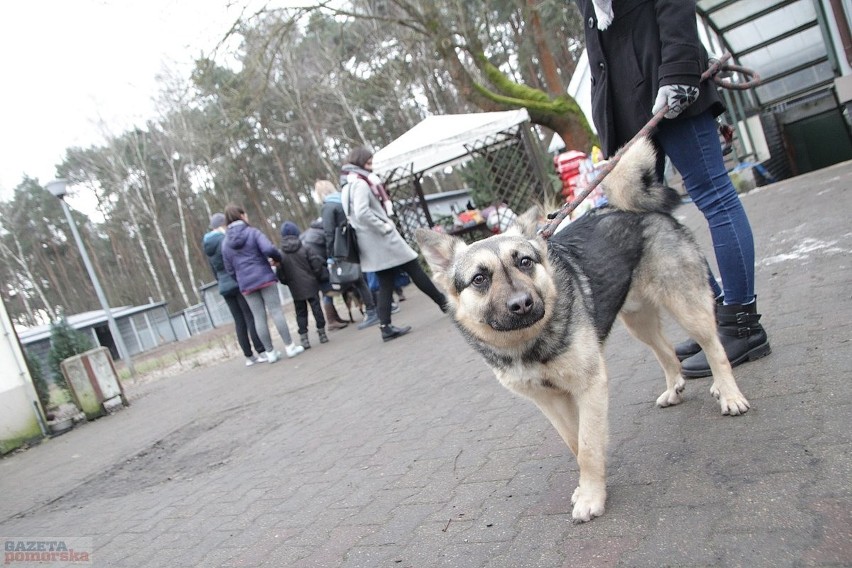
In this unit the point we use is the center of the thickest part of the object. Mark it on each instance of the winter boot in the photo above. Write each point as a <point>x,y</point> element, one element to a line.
<point>686,349</point>
<point>741,334</point>
<point>390,332</point>
<point>332,317</point>
<point>323,337</point>
<point>306,343</point>
<point>689,347</point>
<point>370,318</point>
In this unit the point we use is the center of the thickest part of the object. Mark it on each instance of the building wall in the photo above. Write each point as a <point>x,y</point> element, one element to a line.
<point>19,406</point>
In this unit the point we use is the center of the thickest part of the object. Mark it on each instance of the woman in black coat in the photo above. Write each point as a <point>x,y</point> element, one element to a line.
<point>644,55</point>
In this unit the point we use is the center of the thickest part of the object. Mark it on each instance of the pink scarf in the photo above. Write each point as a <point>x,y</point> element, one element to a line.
<point>377,187</point>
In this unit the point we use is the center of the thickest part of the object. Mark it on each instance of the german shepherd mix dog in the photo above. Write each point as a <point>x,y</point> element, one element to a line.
<point>539,311</point>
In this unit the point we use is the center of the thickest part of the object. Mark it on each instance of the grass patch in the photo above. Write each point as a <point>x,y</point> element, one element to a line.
<point>182,356</point>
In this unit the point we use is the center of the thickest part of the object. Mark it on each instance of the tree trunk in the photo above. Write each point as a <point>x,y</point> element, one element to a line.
<point>25,268</point>
<point>545,56</point>
<point>149,205</point>
<point>182,220</point>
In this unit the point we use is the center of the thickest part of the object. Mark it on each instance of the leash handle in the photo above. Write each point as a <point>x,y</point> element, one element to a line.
<point>559,215</point>
<point>716,65</point>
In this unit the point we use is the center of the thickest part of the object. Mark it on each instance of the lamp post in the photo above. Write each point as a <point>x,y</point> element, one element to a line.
<point>58,188</point>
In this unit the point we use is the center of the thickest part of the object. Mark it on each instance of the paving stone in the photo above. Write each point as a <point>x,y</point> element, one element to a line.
<point>360,454</point>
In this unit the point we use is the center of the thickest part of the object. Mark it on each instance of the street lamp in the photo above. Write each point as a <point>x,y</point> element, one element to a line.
<point>58,188</point>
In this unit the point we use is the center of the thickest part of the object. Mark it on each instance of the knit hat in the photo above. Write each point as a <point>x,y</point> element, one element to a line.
<point>289,228</point>
<point>217,220</point>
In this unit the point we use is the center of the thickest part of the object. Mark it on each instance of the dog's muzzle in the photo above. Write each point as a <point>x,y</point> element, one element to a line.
<point>520,311</point>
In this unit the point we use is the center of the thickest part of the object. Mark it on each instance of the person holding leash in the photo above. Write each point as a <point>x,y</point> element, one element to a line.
<point>644,55</point>
<point>383,250</point>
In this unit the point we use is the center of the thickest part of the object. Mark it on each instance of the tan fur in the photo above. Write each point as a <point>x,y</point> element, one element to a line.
<point>517,318</point>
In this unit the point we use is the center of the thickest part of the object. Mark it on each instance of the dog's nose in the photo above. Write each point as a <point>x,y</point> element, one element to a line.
<point>520,303</point>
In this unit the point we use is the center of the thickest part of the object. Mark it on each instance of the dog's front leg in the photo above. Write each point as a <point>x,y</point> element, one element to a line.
<point>581,420</point>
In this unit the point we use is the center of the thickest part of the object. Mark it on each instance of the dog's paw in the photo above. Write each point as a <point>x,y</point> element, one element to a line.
<point>714,390</point>
<point>588,504</point>
<point>673,395</point>
<point>732,404</point>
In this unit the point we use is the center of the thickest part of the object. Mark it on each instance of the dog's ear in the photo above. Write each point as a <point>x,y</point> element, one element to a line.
<point>527,224</point>
<point>439,250</point>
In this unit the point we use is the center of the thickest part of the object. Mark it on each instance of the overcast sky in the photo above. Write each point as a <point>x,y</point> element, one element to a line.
<point>70,65</point>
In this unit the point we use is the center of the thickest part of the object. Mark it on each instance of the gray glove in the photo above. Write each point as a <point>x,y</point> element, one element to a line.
<point>678,97</point>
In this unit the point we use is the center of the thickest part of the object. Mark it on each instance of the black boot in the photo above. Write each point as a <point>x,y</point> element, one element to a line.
<point>688,348</point>
<point>390,332</point>
<point>742,336</point>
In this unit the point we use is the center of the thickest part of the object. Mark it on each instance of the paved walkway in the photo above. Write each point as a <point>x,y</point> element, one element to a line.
<point>409,454</point>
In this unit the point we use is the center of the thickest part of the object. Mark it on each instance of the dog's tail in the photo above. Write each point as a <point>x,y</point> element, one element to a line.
<point>633,186</point>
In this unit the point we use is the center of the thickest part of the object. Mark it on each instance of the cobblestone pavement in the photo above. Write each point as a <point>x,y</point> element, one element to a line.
<point>409,454</point>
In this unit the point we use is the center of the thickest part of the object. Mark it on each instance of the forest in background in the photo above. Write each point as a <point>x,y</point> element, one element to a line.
<point>258,125</point>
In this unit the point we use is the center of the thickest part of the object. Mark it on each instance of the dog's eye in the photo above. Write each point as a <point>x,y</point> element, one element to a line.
<point>526,263</point>
<point>479,280</point>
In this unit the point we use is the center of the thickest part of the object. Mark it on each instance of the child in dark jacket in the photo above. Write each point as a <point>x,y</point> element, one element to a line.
<point>301,271</point>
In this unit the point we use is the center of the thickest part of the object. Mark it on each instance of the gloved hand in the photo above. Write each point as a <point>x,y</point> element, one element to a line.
<point>678,97</point>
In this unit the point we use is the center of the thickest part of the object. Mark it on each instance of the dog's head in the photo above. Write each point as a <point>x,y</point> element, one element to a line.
<point>500,289</point>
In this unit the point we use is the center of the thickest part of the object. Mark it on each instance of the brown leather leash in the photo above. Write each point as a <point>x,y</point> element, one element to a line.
<point>716,65</point>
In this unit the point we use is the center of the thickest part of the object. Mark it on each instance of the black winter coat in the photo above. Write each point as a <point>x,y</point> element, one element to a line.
<point>300,269</point>
<point>333,216</point>
<point>650,43</point>
<point>314,238</point>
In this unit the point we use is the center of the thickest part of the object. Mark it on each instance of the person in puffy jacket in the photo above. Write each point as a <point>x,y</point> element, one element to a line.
<point>230,292</point>
<point>314,238</point>
<point>301,270</point>
<point>246,253</point>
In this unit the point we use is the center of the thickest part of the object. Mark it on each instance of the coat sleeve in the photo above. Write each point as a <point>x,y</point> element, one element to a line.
<point>316,263</point>
<point>213,270</point>
<point>281,274</point>
<point>679,43</point>
<point>361,210</point>
<point>213,266</point>
<point>328,225</point>
<point>226,259</point>
<point>267,248</point>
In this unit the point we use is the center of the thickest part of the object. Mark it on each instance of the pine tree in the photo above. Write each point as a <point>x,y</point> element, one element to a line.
<point>65,342</point>
<point>40,382</point>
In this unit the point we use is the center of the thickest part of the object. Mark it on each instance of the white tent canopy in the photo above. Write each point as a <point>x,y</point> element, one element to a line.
<point>440,140</point>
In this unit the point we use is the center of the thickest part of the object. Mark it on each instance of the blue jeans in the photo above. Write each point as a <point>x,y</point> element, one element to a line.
<point>693,146</point>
